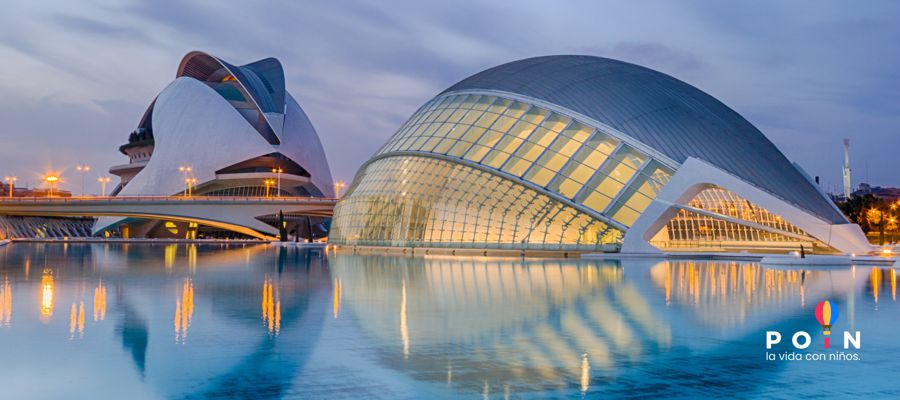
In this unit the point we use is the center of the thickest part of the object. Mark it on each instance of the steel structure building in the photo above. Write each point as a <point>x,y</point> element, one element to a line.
<point>588,154</point>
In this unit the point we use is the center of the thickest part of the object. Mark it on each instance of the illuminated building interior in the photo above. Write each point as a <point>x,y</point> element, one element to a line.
<point>719,218</point>
<point>573,153</point>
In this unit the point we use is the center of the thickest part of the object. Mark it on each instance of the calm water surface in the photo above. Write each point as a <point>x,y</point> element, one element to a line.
<point>199,321</point>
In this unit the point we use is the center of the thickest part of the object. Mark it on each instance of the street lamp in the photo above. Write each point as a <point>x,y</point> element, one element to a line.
<point>103,181</point>
<point>189,182</point>
<point>11,180</point>
<point>84,169</point>
<point>337,188</point>
<point>186,172</point>
<point>278,172</point>
<point>268,183</point>
<point>51,180</point>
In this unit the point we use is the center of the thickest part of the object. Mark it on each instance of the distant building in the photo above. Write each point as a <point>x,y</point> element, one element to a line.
<point>580,153</point>
<point>225,128</point>
<point>885,193</point>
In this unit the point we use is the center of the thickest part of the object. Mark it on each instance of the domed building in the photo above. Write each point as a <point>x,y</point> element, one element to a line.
<point>581,153</point>
<point>222,130</point>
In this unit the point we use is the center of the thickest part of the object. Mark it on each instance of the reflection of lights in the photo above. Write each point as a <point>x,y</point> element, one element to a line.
<point>893,284</point>
<point>76,320</point>
<point>170,252</point>
<point>5,303</point>
<point>192,257</point>
<point>337,297</point>
<point>585,373</point>
<point>734,285</point>
<point>404,329</point>
<point>875,278</point>
<point>100,302</point>
<point>46,295</point>
<point>886,251</point>
<point>184,310</point>
<point>271,308</point>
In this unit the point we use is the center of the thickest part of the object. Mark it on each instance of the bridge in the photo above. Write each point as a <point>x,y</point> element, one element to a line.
<point>238,214</point>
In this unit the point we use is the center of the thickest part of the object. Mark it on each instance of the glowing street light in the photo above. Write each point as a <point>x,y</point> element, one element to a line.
<point>190,182</point>
<point>11,180</point>
<point>337,188</point>
<point>186,172</point>
<point>278,172</point>
<point>269,183</point>
<point>84,169</point>
<point>103,181</point>
<point>51,180</point>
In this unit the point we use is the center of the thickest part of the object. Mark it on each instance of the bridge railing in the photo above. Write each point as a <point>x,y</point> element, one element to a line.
<point>111,199</point>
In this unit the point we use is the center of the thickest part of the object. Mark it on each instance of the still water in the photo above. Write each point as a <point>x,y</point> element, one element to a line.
<point>200,321</point>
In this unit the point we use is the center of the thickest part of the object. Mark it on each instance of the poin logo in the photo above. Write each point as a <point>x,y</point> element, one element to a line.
<point>827,313</point>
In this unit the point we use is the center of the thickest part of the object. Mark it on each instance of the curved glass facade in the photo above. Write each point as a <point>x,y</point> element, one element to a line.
<point>429,202</point>
<point>598,139</point>
<point>718,218</point>
<point>548,149</point>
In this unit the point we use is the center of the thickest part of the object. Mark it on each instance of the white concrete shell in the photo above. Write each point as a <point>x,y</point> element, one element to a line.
<point>194,125</point>
<point>696,175</point>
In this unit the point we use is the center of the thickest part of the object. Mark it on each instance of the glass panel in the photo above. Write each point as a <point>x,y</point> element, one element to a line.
<point>516,109</point>
<point>626,216</point>
<point>412,201</point>
<point>539,175</point>
<point>516,166</point>
<point>578,132</point>
<point>569,188</point>
<point>535,115</point>
<point>477,153</point>
<point>556,122</point>
<point>597,201</point>
<point>459,149</point>
<point>496,158</point>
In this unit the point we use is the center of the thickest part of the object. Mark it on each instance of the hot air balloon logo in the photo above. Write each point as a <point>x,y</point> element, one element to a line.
<point>827,314</point>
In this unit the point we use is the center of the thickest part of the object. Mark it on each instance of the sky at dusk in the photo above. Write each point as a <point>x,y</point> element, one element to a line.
<point>77,75</point>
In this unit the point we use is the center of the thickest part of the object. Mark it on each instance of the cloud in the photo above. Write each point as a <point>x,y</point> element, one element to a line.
<point>806,76</point>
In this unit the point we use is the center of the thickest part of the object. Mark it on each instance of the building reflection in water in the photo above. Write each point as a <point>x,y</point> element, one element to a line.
<point>585,373</point>
<point>169,255</point>
<point>551,321</point>
<point>192,257</point>
<point>184,310</point>
<point>336,288</point>
<point>404,328</point>
<point>5,303</point>
<point>271,307</point>
<point>725,293</point>
<point>879,277</point>
<point>76,320</point>
<point>47,287</point>
<point>100,302</point>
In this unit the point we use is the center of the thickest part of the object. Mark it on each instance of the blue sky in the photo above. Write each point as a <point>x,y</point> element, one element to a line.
<point>76,76</point>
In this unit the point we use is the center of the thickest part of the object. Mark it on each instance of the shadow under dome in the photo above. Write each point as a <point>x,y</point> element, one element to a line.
<point>669,115</point>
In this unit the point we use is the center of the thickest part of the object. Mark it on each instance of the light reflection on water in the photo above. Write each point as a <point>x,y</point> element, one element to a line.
<point>179,321</point>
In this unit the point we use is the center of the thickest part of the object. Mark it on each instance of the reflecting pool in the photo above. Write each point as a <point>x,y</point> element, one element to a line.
<point>199,321</point>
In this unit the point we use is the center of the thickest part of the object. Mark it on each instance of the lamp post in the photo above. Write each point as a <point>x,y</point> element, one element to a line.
<point>51,180</point>
<point>103,181</point>
<point>277,171</point>
<point>337,188</point>
<point>189,182</point>
<point>84,169</point>
<point>11,180</point>
<point>186,172</point>
<point>268,183</point>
